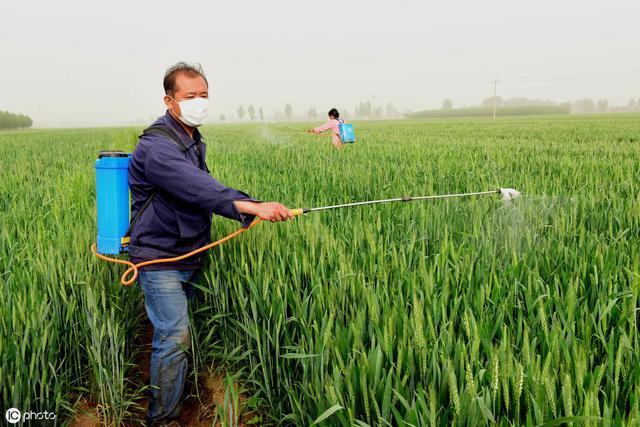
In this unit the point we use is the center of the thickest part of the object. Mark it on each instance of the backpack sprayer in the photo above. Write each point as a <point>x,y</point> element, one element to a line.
<point>345,132</point>
<point>112,200</point>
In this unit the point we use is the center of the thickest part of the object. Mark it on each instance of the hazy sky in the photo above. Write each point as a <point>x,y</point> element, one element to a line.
<point>83,62</point>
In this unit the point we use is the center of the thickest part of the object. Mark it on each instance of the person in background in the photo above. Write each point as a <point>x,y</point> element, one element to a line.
<point>332,124</point>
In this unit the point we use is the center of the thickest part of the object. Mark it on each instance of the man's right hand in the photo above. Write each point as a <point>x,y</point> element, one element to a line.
<point>274,211</point>
<point>268,211</point>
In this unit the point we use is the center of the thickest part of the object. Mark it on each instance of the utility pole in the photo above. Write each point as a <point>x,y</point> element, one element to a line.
<point>373,106</point>
<point>495,91</point>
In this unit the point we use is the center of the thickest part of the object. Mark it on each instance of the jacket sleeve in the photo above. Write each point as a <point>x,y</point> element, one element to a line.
<point>324,127</point>
<point>167,169</point>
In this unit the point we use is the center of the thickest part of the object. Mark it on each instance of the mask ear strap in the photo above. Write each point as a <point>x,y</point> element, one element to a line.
<point>173,109</point>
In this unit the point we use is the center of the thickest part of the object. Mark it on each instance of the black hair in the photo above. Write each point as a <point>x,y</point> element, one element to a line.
<point>191,70</point>
<point>334,113</point>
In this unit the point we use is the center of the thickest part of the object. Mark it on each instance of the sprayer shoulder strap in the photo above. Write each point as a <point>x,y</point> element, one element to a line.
<point>162,130</point>
<point>340,122</point>
<point>125,238</point>
<point>153,130</point>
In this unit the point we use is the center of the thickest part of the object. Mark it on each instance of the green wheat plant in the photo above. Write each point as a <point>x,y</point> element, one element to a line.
<point>451,312</point>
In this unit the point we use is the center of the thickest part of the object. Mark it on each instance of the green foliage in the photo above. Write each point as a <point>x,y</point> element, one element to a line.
<point>14,121</point>
<point>458,312</point>
<point>65,325</point>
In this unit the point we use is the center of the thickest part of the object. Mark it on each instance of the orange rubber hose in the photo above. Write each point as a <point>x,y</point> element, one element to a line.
<point>133,268</point>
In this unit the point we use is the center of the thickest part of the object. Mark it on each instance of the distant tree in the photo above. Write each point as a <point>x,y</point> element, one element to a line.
<point>364,109</point>
<point>488,102</point>
<point>222,117</point>
<point>261,114</point>
<point>391,110</point>
<point>378,112</point>
<point>603,105</point>
<point>252,112</point>
<point>14,121</point>
<point>288,111</point>
<point>583,106</point>
<point>312,113</point>
<point>632,104</point>
<point>240,111</point>
<point>447,104</point>
<point>522,101</point>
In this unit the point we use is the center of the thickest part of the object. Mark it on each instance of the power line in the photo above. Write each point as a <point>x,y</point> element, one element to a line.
<point>472,86</point>
<point>575,76</point>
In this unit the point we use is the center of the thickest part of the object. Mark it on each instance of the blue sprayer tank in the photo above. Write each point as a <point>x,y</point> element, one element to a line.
<point>347,136</point>
<point>112,201</point>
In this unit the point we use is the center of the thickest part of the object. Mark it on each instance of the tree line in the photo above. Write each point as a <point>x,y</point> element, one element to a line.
<point>579,106</point>
<point>14,121</point>
<point>365,110</point>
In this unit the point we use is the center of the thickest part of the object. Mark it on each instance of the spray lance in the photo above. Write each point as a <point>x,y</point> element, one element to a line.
<point>507,194</point>
<point>112,201</point>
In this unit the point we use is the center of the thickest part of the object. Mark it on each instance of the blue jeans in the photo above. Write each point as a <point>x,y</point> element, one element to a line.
<point>166,294</point>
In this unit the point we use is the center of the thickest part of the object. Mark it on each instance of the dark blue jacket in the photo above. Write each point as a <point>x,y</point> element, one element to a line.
<point>178,219</point>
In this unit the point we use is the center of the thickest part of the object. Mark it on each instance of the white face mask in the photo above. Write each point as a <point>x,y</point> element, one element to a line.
<point>194,111</point>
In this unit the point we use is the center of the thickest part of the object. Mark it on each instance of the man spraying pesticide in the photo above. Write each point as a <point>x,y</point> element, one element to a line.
<point>172,199</point>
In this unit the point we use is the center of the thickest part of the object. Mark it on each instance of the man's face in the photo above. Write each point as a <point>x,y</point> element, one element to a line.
<point>186,88</point>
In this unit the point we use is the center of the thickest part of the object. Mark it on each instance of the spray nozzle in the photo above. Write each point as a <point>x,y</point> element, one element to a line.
<point>509,193</point>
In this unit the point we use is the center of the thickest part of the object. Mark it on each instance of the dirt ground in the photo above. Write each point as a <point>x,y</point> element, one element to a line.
<point>195,412</point>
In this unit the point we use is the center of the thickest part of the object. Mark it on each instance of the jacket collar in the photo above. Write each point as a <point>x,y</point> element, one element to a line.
<point>179,130</point>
